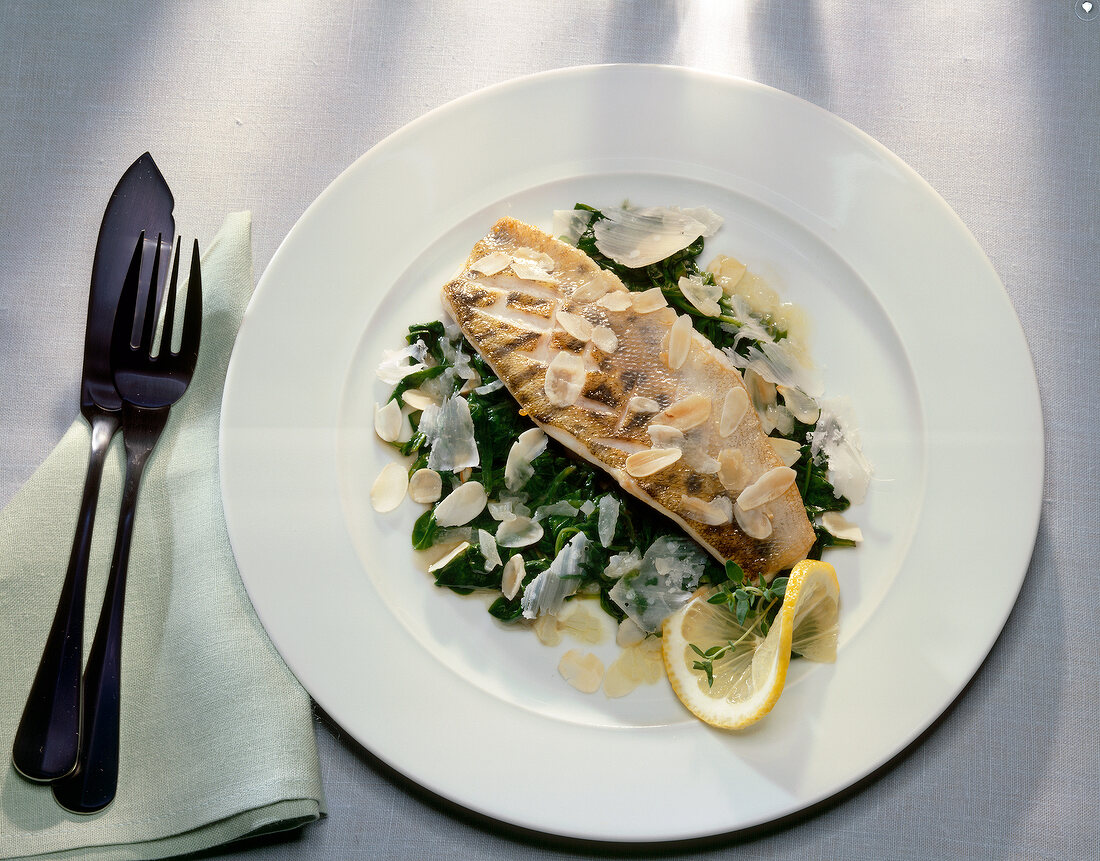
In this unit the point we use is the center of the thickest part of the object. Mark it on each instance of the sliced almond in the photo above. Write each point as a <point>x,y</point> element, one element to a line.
<point>578,620</point>
<point>389,488</point>
<point>703,296</point>
<point>425,486</point>
<point>511,578</point>
<point>387,421</point>
<point>651,461</point>
<point>492,263</point>
<point>463,504</point>
<point>642,405</point>
<point>771,485</point>
<point>734,409</point>
<point>531,270</point>
<point>519,531</point>
<point>575,325</point>
<point>541,259</point>
<point>564,379</point>
<point>789,450</point>
<point>616,300</point>
<point>679,341</point>
<point>731,469</point>
<point>582,671</point>
<point>755,523</point>
<point>628,633</point>
<point>713,512</point>
<point>762,395</point>
<point>605,339</point>
<point>648,301</point>
<point>593,291</point>
<point>418,399</point>
<point>665,436</point>
<point>688,412</point>
<point>839,527</point>
<point>802,406</point>
<point>517,468</point>
<point>546,629</point>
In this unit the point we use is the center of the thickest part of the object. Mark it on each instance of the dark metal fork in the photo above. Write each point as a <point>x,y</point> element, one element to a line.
<point>149,384</point>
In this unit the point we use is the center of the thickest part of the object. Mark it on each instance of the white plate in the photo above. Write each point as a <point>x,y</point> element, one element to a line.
<point>911,322</point>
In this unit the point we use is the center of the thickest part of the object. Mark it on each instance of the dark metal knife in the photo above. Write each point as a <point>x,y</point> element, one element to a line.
<point>47,743</point>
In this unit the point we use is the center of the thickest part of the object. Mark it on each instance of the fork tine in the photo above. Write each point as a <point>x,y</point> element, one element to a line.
<point>123,331</point>
<point>170,305</point>
<point>149,324</point>
<point>192,311</point>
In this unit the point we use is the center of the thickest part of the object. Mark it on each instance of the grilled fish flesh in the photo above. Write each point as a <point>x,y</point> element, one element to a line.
<point>621,379</point>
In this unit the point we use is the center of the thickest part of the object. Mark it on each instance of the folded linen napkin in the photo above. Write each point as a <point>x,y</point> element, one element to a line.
<point>217,735</point>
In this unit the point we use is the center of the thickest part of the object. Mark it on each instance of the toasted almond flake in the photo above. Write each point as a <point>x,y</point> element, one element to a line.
<point>582,671</point>
<point>755,523</point>
<point>789,450</point>
<point>578,621</point>
<point>418,399</point>
<point>463,504</point>
<point>517,469</point>
<point>714,512</point>
<point>541,259</point>
<point>618,681</point>
<point>530,270</point>
<point>488,546</point>
<point>727,271</point>
<point>615,300</point>
<point>644,463</point>
<point>802,406</point>
<point>839,527</point>
<point>492,263</point>
<point>762,395</point>
<point>771,485</point>
<point>519,531</point>
<point>688,412</point>
<point>734,409</point>
<point>512,576</point>
<point>425,486</point>
<point>605,339</point>
<point>731,469</point>
<point>648,301</point>
<point>665,436</point>
<point>592,291</point>
<point>628,633</point>
<point>781,417</point>
<point>449,557</point>
<point>389,488</point>
<point>546,629</point>
<point>679,341</point>
<point>575,325</point>
<point>642,405</point>
<point>387,421</point>
<point>564,379</point>
<point>703,296</point>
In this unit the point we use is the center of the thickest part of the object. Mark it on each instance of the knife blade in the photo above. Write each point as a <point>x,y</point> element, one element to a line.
<point>46,746</point>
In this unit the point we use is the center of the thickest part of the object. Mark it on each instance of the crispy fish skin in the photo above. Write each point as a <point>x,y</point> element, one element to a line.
<point>513,323</point>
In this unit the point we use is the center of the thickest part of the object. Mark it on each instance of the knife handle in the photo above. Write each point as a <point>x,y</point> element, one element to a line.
<point>92,786</point>
<point>47,742</point>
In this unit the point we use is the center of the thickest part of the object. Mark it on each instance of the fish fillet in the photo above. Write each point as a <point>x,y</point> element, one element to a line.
<point>602,371</point>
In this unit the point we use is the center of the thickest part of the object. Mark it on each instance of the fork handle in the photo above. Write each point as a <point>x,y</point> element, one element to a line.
<point>92,786</point>
<point>47,741</point>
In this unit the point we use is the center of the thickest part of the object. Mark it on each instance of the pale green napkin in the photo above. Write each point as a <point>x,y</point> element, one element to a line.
<point>217,735</point>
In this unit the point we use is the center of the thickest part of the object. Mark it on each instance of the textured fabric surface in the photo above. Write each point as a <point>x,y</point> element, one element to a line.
<point>260,105</point>
<point>216,734</point>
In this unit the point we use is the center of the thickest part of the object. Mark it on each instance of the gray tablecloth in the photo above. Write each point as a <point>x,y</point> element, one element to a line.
<point>260,105</point>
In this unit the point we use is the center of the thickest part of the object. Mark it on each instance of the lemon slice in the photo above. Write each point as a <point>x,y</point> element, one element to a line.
<point>749,669</point>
